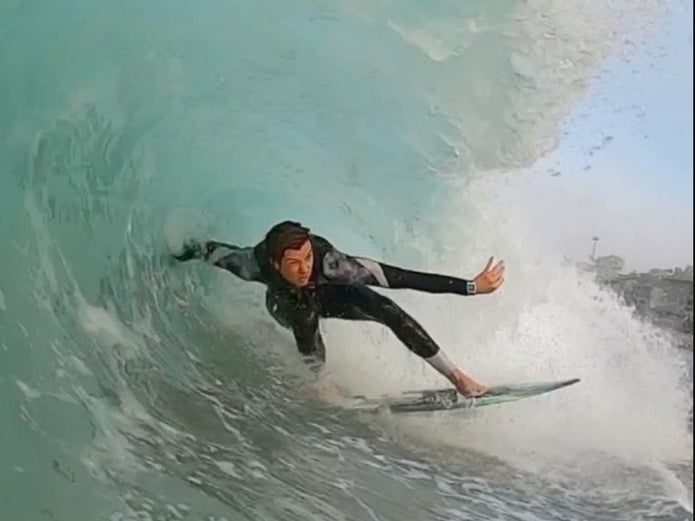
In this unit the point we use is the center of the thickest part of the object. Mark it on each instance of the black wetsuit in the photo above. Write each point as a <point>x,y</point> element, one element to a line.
<point>338,288</point>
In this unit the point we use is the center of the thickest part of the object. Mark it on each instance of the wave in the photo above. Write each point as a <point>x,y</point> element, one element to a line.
<point>137,387</point>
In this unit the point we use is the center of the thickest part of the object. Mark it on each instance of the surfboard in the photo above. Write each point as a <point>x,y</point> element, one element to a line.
<point>450,399</point>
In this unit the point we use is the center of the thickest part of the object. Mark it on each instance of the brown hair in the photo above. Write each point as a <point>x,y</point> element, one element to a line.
<point>287,235</point>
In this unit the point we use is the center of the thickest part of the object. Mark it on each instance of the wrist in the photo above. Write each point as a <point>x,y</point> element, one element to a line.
<point>471,287</point>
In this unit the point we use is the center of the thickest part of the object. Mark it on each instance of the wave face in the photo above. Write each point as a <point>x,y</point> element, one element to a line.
<point>136,389</point>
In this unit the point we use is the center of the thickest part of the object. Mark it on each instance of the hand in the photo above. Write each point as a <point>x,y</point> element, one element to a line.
<point>466,385</point>
<point>490,278</point>
<point>191,250</point>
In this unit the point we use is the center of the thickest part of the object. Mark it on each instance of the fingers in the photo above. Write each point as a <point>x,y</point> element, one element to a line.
<point>495,283</point>
<point>496,274</point>
<point>499,268</point>
<point>494,277</point>
<point>494,286</point>
<point>489,268</point>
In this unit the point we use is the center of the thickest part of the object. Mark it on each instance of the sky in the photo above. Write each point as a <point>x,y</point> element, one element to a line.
<point>626,160</point>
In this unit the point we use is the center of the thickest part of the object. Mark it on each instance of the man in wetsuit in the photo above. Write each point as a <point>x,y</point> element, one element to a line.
<point>307,278</point>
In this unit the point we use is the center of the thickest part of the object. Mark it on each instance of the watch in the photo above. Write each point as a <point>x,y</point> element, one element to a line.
<point>471,288</point>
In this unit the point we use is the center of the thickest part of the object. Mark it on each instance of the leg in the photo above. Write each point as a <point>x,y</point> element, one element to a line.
<point>362,303</point>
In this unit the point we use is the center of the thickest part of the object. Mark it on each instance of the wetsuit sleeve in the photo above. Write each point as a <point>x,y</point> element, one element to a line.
<point>240,261</point>
<point>310,345</point>
<point>346,269</point>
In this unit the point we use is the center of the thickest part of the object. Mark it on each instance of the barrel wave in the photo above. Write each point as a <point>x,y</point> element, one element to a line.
<point>137,388</point>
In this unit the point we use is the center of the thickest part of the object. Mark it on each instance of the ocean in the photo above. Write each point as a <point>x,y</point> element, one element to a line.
<point>137,388</point>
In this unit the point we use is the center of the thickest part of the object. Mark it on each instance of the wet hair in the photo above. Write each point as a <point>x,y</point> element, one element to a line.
<point>287,235</point>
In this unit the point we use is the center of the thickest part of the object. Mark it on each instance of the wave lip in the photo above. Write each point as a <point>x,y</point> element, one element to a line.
<point>164,390</point>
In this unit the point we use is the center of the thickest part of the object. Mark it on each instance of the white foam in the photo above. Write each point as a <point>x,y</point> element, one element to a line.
<point>547,322</point>
<point>180,226</point>
<point>439,40</point>
<point>228,468</point>
<point>558,48</point>
<point>29,392</point>
<point>674,488</point>
<point>105,326</point>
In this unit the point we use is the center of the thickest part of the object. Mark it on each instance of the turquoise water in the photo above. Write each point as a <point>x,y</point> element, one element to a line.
<point>135,389</point>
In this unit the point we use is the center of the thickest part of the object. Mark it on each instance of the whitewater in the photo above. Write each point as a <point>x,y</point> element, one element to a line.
<point>136,388</point>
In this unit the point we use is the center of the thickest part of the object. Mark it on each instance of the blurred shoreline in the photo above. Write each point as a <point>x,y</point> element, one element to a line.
<point>664,297</point>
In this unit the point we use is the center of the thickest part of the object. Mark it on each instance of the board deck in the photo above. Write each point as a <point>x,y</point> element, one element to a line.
<point>451,399</point>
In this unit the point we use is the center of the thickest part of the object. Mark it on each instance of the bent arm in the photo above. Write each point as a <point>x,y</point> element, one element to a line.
<point>240,261</point>
<point>310,345</point>
<point>305,328</point>
<point>347,269</point>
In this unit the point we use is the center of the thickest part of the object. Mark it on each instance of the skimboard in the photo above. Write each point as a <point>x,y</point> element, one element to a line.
<point>450,399</point>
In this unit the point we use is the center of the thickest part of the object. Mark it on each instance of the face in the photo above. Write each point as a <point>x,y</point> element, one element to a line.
<point>296,265</point>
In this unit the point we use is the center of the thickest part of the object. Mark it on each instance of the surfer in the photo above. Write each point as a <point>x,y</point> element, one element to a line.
<point>307,278</point>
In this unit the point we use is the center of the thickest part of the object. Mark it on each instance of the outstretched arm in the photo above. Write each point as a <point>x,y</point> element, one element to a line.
<point>240,261</point>
<point>347,269</point>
